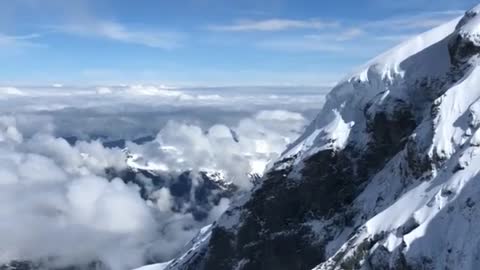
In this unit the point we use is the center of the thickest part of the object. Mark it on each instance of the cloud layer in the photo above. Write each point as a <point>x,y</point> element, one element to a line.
<point>130,112</point>
<point>82,215</point>
<point>236,152</point>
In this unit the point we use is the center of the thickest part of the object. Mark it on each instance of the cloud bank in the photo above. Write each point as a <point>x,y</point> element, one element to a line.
<point>236,152</point>
<point>60,207</point>
<point>113,112</point>
<point>57,203</point>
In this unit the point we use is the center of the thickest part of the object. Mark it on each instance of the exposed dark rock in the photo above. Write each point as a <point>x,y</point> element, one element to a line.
<point>199,191</point>
<point>272,233</point>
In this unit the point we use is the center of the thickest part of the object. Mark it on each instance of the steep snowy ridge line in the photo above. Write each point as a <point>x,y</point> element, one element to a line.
<point>384,73</point>
<point>423,201</point>
<point>386,177</point>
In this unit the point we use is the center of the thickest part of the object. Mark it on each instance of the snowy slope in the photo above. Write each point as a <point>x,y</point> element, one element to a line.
<point>385,77</point>
<point>422,220</point>
<point>157,266</point>
<point>386,177</point>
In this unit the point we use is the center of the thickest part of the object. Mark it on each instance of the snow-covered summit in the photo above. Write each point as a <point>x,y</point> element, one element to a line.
<point>469,26</point>
<point>414,72</point>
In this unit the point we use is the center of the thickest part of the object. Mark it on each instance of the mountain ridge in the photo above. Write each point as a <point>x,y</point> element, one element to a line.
<point>384,178</point>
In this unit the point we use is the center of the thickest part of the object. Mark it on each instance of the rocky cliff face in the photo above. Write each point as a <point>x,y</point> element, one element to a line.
<point>386,177</point>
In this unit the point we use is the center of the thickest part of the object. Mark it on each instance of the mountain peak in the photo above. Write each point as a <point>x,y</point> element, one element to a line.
<point>469,26</point>
<point>390,76</point>
<point>469,19</point>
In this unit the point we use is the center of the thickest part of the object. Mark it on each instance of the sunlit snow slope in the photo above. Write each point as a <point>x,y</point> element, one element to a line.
<point>386,177</point>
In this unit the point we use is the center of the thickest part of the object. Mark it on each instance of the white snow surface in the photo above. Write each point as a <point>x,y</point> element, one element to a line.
<point>157,266</point>
<point>433,217</point>
<point>469,27</point>
<point>385,74</point>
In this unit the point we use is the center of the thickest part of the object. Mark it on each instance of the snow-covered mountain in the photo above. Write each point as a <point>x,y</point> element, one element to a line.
<point>386,177</point>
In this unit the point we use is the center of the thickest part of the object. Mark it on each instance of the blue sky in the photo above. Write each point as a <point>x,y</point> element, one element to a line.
<point>204,42</point>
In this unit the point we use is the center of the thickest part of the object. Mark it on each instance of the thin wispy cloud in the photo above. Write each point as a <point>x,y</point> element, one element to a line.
<point>300,44</point>
<point>339,36</point>
<point>271,25</point>
<point>345,34</point>
<point>400,28</point>
<point>19,41</point>
<point>415,22</point>
<point>324,42</point>
<point>79,17</point>
<point>395,5</point>
<point>122,33</point>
